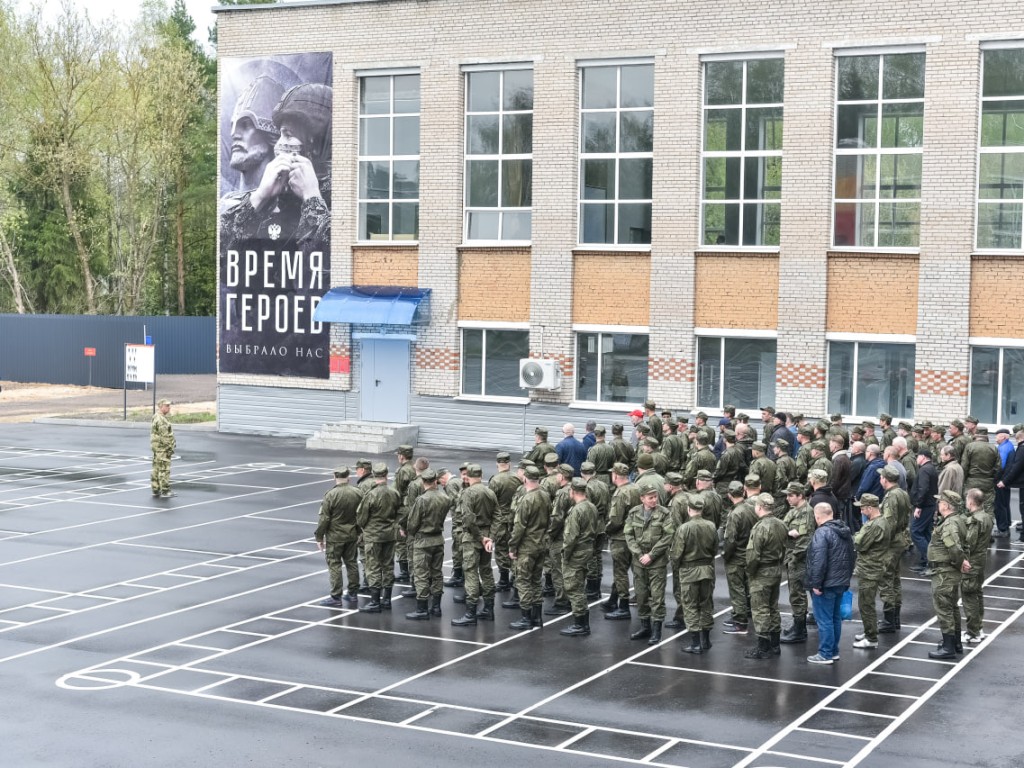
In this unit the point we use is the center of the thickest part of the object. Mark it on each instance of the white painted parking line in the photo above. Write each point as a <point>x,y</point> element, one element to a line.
<point>573,739</point>
<point>716,673</point>
<point>833,733</point>
<point>856,712</point>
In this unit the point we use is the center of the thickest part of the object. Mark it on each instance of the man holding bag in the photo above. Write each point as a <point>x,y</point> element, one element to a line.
<point>829,570</point>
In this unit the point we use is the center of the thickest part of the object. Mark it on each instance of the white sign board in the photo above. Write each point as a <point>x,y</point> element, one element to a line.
<point>140,363</point>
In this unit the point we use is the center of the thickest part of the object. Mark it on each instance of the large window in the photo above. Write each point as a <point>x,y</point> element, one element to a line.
<point>742,152</point>
<point>868,378</point>
<point>490,361</point>
<point>879,135</point>
<point>997,384</point>
<point>389,157</point>
<point>1001,161</point>
<point>611,367</point>
<point>616,154</point>
<point>735,370</point>
<point>499,155</point>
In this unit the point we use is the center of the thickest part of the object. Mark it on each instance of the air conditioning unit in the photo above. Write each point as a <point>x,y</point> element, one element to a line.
<point>541,373</point>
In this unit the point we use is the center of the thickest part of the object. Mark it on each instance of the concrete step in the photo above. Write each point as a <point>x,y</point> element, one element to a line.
<point>363,437</point>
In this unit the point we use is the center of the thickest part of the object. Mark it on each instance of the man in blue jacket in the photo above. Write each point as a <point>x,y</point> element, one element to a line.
<point>830,558</point>
<point>869,482</point>
<point>570,450</point>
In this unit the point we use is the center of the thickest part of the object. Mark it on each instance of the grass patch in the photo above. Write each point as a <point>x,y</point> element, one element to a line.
<point>198,417</point>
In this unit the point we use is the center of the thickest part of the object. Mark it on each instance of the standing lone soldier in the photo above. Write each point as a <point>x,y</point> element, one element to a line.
<point>979,534</point>
<point>578,536</point>
<point>800,524</point>
<point>528,548</point>
<point>626,497</point>
<point>872,545</point>
<point>336,536</point>
<point>479,505</point>
<point>693,563</point>
<point>425,534</point>
<point>161,440</point>
<point>765,552</point>
<point>649,533</point>
<point>377,518</point>
<point>947,554</point>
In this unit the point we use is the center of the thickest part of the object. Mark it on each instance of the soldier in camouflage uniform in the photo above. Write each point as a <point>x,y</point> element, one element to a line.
<point>947,555</point>
<point>959,439</point>
<point>625,498</point>
<point>541,447</point>
<point>982,465</point>
<point>647,477</point>
<point>762,466</point>
<point>731,465</point>
<point>602,456</point>
<point>693,561</point>
<point>679,508</point>
<point>820,460</point>
<point>785,473</point>
<point>580,532</point>
<point>624,451</point>
<point>453,490</point>
<point>528,548</point>
<point>479,505</point>
<point>377,517</point>
<point>872,543</point>
<point>766,549</point>
<point>700,458</point>
<point>896,510</point>
<point>800,525</point>
<point>714,509</point>
<point>649,533</point>
<point>979,534</point>
<point>404,475</point>
<point>161,440</point>
<point>560,505</point>
<point>336,535</point>
<point>735,539</point>
<point>673,447</point>
<point>412,492</point>
<point>425,532</point>
<point>504,484</point>
<point>364,482</point>
<point>600,496</point>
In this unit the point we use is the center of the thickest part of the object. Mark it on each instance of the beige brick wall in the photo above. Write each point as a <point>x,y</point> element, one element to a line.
<point>996,284</point>
<point>737,291</point>
<point>494,284</point>
<point>386,266</point>
<point>872,293</point>
<point>611,288</point>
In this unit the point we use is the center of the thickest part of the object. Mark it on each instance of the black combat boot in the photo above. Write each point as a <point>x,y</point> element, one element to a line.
<point>774,638</point>
<point>374,605</point>
<point>409,591</point>
<point>549,586</point>
<point>459,599</point>
<point>487,613</point>
<point>621,613</point>
<point>896,615</point>
<point>513,602</point>
<point>593,589</point>
<point>457,579</point>
<point>525,620</point>
<point>694,646</point>
<point>705,639</point>
<point>644,632</point>
<point>887,625</point>
<point>421,613</point>
<point>677,621</point>
<point>503,585</point>
<point>536,614</point>
<point>735,626</point>
<point>558,608</point>
<point>364,587</point>
<point>385,598</point>
<point>612,602</point>
<point>796,633</point>
<point>946,651</point>
<point>577,628</point>
<point>435,606</point>
<point>763,649</point>
<point>958,637</point>
<point>468,619</point>
<point>655,633</point>
<point>403,577</point>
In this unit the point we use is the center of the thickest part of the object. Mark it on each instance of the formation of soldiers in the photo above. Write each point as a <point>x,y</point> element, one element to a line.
<point>676,496</point>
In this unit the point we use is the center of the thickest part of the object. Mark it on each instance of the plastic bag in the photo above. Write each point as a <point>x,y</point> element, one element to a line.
<point>846,605</point>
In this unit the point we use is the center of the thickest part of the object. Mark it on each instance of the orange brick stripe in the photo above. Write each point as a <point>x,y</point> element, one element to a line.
<point>800,375</point>
<point>341,350</point>
<point>670,369</point>
<point>940,383</point>
<point>437,358</point>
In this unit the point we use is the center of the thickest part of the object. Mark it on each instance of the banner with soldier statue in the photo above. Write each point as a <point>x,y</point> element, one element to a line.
<point>275,213</point>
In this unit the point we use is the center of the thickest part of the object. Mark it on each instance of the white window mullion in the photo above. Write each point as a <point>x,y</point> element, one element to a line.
<point>856,373</point>
<point>721,375</point>
<point>600,365</point>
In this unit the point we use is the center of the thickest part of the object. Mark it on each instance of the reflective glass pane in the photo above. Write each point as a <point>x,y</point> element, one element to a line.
<point>634,223</point>
<point>764,128</point>
<point>1002,123</point>
<point>749,375</point>
<point>405,221</point>
<point>484,91</point>
<point>373,180</point>
<point>637,86</point>
<point>840,377</point>
<point>517,93</point>
<point>517,134</point>
<point>721,178</point>
<point>600,87</point>
<point>375,136</point>
<point>985,383</point>
<point>1004,73</point>
<point>900,176</point>
<point>903,125</point>
<point>723,82</point>
<point>762,178</point>
<point>899,225</point>
<point>374,95</point>
<point>588,361</point>
<point>765,81</point>
<point>482,134</point>
<point>599,132</point>
<point>515,226</point>
<point>999,225</point>
<point>858,78</point>
<point>516,183</point>
<point>373,221</point>
<point>761,224</point>
<point>1013,386</point>
<point>407,135</point>
<point>1001,176</point>
<point>885,379</point>
<point>407,179</point>
<point>857,126</point>
<point>903,76</point>
<point>855,224</point>
<point>504,351</point>
<point>855,176</point>
<point>636,179</point>
<point>636,132</point>
<point>709,372</point>
<point>598,223</point>
<point>721,224</point>
<point>623,367</point>
<point>482,183</point>
<point>598,180</point>
<point>483,225</point>
<point>407,93</point>
<point>473,361</point>
<point>722,130</point>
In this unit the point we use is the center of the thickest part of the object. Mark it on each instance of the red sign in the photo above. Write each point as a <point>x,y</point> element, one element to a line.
<point>341,364</point>
<point>90,351</point>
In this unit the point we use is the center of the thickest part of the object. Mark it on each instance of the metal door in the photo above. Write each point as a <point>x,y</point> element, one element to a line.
<point>384,378</point>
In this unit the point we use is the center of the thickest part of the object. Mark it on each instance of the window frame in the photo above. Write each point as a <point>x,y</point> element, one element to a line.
<point>600,331</point>
<point>857,339</point>
<point>485,327</point>
<point>724,334</point>
<point>1001,345</point>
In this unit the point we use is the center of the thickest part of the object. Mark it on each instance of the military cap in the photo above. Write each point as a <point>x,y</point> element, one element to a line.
<point>822,426</point>
<point>524,463</point>
<point>542,431</point>
<point>531,472</point>
<point>363,464</point>
<point>674,478</point>
<point>616,429</point>
<point>550,459</point>
<point>405,450</point>
<point>818,474</point>
<point>796,488</point>
<point>648,491</point>
<point>682,419</point>
<point>956,423</point>
<point>867,500</point>
<point>884,417</point>
<point>764,500</point>
<point>752,481</point>
<point>650,404</point>
<point>566,469</point>
<point>797,417</point>
<point>579,485</point>
<point>599,430</point>
<point>644,461</point>
<point>806,431</point>
<point>341,472</point>
<point>735,487</point>
<point>836,417</point>
<point>588,467</point>
<point>503,458</point>
<point>705,474</point>
<point>643,429</point>
<point>696,501</point>
<point>817,445</point>
<point>907,426</point>
<point>780,443</point>
<point>428,475</point>
<point>474,470</point>
<point>919,428</point>
<point>666,413</point>
<point>729,435</point>
<point>758,445</point>
<point>868,423</point>
<point>971,419</point>
<point>927,424</point>
<point>950,497</point>
<point>858,430</point>
<point>651,442</point>
<point>769,408</point>
<point>1017,428</point>
<point>463,465</point>
<point>940,428</point>
<point>620,469</point>
<point>700,415</point>
<point>981,431</point>
<point>163,402</point>
<point>889,473</point>
<point>380,469</point>
<point>443,471</point>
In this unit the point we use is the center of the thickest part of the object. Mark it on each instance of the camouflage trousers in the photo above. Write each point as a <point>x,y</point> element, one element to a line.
<point>945,591</point>
<point>973,600</point>
<point>426,569</point>
<point>796,568</point>
<point>867,592</point>
<point>698,604</point>
<point>595,566</point>
<point>553,565</point>
<point>160,478</point>
<point>402,550</point>
<point>529,573</point>
<point>892,589</point>
<point>764,602</point>
<point>739,588</point>
<point>380,564</point>
<point>650,582</point>
<point>574,573</point>
<point>341,561</point>
<point>477,571</point>
<point>456,545</point>
<point>621,560</point>
<point>501,530</point>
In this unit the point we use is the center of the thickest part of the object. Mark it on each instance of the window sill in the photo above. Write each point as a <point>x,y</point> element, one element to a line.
<point>386,244</point>
<point>495,244</point>
<point>489,399</point>
<point>873,251</point>
<point>597,405</point>
<point>738,249</point>
<point>608,247</point>
<point>998,252</point>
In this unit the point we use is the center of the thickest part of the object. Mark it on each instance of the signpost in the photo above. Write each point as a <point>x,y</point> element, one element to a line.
<point>90,352</point>
<point>139,367</point>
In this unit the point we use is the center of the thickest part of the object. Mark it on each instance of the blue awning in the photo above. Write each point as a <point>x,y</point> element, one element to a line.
<point>375,305</point>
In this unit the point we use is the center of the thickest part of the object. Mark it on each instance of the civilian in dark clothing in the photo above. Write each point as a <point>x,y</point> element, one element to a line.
<point>589,439</point>
<point>830,559</point>
<point>922,499</point>
<point>869,482</point>
<point>1013,476</point>
<point>782,433</point>
<point>841,480</point>
<point>570,450</point>
<point>821,491</point>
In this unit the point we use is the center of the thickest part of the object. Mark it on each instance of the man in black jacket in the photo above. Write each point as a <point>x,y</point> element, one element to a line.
<point>922,499</point>
<point>829,570</point>
<point>1013,477</point>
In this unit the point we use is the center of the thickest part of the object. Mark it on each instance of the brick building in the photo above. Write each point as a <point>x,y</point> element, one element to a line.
<point>816,205</point>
